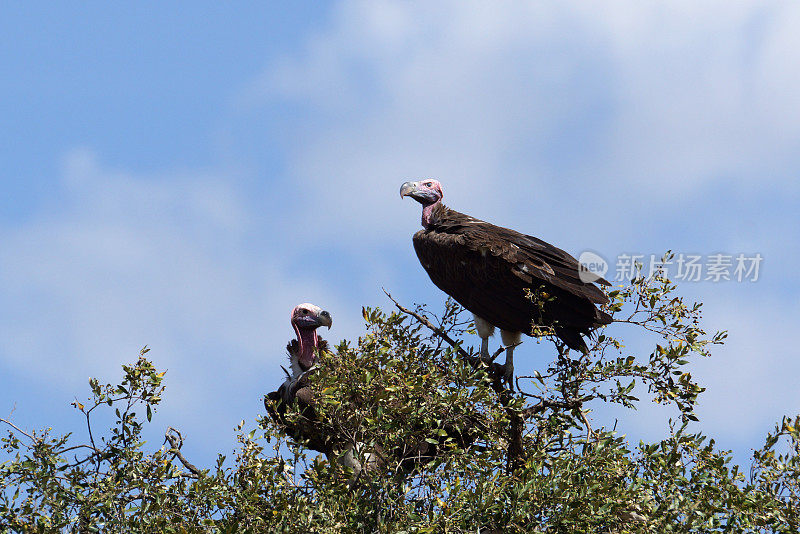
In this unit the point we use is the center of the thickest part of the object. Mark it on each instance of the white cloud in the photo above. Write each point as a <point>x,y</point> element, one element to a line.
<point>516,102</point>
<point>171,260</point>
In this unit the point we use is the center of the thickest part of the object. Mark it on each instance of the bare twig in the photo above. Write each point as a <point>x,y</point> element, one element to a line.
<point>424,320</point>
<point>18,429</point>
<point>89,428</point>
<point>499,351</point>
<point>176,442</point>
<point>62,451</point>
<point>496,370</point>
<point>545,404</point>
<point>589,432</point>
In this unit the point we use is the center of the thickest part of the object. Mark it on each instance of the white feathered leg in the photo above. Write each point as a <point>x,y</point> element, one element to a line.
<point>485,331</point>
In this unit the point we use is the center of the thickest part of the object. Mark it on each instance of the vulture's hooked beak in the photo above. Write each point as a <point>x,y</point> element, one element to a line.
<point>408,189</point>
<point>324,318</point>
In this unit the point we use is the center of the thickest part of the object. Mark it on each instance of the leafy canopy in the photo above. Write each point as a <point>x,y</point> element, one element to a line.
<point>439,445</point>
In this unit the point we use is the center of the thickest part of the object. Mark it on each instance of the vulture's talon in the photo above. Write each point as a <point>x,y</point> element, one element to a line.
<point>485,350</point>
<point>508,376</point>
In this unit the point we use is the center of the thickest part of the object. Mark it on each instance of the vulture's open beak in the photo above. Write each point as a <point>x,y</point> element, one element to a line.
<point>324,319</point>
<point>408,189</point>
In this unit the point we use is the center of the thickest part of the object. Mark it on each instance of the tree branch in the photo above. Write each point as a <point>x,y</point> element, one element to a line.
<point>18,429</point>
<point>426,322</point>
<point>176,443</point>
<point>495,370</point>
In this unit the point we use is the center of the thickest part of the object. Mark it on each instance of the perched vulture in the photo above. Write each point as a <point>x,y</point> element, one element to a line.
<point>347,447</point>
<point>305,319</point>
<point>491,270</point>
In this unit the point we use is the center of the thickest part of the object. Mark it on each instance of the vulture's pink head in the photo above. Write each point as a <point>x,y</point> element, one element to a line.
<point>426,192</point>
<point>306,318</point>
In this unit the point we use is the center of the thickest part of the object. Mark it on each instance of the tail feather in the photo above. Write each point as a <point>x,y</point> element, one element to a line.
<point>572,338</point>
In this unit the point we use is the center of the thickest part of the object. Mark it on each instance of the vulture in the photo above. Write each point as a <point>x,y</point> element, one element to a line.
<point>508,280</point>
<point>305,320</point>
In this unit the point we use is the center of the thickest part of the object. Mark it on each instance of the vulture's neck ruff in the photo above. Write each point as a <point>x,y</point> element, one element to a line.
<point>428,213</point>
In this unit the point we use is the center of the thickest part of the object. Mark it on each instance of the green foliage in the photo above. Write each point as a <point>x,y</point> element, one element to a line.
<point>439,445</point>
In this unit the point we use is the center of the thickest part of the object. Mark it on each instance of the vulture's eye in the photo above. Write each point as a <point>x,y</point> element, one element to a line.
<point>429,184</point>
<point>304,312</point>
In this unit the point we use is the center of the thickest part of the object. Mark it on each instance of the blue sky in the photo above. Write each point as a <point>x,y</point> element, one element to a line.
<point>182,175</point>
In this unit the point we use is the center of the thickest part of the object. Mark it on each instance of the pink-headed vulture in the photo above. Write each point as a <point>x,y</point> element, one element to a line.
<point>305,319</point>
<point>507,279</point>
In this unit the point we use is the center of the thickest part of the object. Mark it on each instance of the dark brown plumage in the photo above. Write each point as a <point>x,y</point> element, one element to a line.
<point>487,269</point>
<point>507,279</point>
